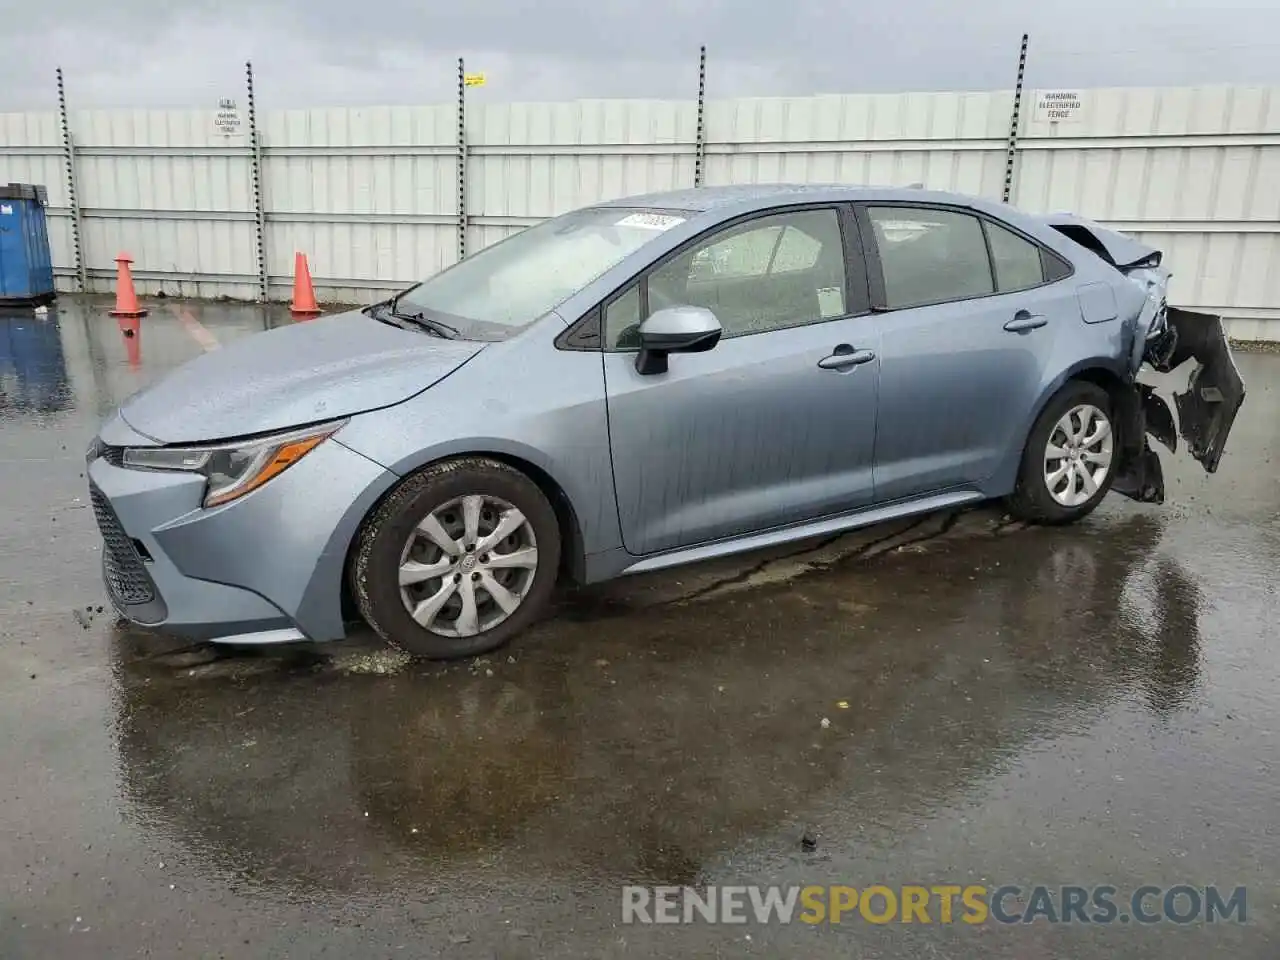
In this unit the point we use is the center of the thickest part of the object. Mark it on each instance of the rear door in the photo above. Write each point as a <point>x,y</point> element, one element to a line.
<point>774,425</point>
<point>971,310</point>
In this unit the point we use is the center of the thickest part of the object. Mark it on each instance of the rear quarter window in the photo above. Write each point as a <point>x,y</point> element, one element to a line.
<point>1016,261</point>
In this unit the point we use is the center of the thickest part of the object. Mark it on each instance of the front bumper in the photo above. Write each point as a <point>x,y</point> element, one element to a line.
<point>265,565</point>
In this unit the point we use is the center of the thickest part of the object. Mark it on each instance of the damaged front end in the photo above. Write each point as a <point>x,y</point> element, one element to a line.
<point>1164,338</point>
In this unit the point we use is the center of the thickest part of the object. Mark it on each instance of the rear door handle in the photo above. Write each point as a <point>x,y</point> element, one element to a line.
<point>845,357</point>
<point>1023,321</point>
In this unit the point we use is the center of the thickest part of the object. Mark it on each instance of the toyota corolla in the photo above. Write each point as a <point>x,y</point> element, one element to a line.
<point>640,384</point>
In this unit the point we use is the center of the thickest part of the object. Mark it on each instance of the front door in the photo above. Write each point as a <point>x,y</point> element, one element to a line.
<point>773,426</point>
<point>971,311</point>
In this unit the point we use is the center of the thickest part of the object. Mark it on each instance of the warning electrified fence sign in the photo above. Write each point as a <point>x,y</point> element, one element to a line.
<point>226,122</point>
<point>1059,106</point>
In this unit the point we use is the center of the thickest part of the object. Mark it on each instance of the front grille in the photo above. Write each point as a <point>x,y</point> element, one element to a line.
<point>113,455</point>
<point>126,578</point>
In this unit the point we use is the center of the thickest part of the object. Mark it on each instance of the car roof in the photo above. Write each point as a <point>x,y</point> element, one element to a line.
<point>707,206</point>
<point>746,197</point>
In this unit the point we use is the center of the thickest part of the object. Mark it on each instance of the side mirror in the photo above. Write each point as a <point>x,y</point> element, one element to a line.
<point>675,330</point>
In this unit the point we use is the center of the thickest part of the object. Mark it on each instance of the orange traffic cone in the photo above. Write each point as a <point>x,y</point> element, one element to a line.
<point>126,299</point>
<point>304,297</point>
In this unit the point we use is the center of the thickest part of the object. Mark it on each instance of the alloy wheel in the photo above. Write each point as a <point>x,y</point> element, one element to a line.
<point>468,565</point>
<point>1077,458</point>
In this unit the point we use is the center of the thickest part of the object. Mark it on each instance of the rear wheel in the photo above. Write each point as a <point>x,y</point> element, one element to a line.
<point>1070,457</point>
<point>458,560</point>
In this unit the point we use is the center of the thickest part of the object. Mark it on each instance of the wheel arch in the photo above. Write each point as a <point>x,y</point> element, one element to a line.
<point>1103,377</point>
<point>1103,372</point>
<point>572,551</point>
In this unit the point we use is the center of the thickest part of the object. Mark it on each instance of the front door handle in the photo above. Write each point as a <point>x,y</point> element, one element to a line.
<point>845,357</point>
<point>1023,321</point>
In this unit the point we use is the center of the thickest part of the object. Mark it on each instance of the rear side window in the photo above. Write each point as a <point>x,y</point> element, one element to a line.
<point>1016,261</point>
<point>930,256</point>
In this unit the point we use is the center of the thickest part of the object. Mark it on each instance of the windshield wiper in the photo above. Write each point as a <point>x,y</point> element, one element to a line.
<point>431,325</point>
<point>419,319</point>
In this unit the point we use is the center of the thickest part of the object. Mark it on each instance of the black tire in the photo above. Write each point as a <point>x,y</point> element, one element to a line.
<point>374,573</point>
<point>1031,499</point>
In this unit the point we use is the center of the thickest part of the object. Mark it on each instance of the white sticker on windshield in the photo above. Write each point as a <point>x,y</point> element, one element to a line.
<point>650,221</point>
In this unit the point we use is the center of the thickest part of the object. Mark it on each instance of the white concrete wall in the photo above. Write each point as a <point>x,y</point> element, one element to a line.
<point>371,194</point>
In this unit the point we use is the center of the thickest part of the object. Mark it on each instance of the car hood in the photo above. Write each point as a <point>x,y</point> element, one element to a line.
<point>294,375</point>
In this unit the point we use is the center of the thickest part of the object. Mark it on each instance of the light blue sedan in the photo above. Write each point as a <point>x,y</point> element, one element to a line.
<point>640,384</point>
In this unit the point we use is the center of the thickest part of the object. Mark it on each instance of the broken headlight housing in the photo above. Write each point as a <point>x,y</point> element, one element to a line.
<point>234,469</point>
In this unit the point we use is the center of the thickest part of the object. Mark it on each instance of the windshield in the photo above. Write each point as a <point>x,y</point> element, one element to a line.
<point>507,286</point>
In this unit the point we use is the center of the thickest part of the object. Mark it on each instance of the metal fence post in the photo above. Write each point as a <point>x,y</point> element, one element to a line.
<point>462,160</point>
<point>700,148</point>
<point>69,157</point>
<point>259,208</point>
<point>1012,153</point>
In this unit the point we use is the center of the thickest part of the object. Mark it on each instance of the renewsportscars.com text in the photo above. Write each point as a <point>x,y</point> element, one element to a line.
<point>937,903</point>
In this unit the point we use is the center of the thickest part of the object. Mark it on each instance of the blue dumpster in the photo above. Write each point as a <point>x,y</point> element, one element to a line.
<point>26,268</point>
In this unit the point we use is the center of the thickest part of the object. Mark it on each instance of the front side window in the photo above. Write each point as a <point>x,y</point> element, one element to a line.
<point>774,271</point>
<point>930,256</point>
<point>505,287</point>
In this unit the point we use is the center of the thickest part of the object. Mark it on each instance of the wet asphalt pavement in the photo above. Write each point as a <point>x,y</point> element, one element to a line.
<point>957,700</point>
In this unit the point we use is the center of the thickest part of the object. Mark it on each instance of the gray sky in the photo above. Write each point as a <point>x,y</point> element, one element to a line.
<point>320,52</point>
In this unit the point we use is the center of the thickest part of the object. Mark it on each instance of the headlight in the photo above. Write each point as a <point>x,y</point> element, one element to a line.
<point>233,469</point>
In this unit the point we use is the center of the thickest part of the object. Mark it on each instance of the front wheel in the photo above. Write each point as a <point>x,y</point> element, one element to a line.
<point>1069,461</point>
<point>458,560</point>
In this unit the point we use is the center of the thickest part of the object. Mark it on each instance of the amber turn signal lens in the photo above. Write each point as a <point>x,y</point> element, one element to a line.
<point>274,464</point>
